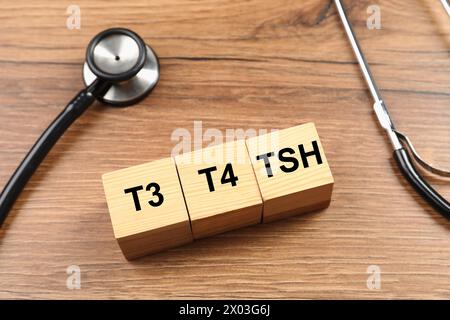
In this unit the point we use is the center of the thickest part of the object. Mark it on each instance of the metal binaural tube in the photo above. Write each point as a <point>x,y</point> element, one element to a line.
<point>446,6</point>
<point>358,53</point>
<point>379,106</point>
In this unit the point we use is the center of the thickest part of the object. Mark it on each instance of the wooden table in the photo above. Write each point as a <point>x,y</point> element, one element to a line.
<point>230,64</point>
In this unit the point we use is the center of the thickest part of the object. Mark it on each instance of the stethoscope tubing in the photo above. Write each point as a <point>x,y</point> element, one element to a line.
<point>46,141</point>
<point>411,174</point>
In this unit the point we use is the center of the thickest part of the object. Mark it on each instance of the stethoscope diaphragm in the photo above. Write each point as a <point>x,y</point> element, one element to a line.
<point>121,57</point>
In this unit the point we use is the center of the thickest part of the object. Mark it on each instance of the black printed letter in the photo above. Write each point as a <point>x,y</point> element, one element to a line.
<point>266,157</point>
<point>293,160</point>
<point>305,155</point>
<point>134,192</point>
<point>208,171</point>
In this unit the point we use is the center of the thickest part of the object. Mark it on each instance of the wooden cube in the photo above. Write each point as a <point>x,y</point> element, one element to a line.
<point>147,208</point>
<point>291,170</point>
<point>220,188</point>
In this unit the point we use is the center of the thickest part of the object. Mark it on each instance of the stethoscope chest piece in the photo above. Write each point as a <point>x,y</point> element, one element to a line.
<point>121,57</point>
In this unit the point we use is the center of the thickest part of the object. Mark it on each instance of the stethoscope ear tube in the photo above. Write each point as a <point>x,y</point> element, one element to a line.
<point>46,141</point>
<point>419,183</point>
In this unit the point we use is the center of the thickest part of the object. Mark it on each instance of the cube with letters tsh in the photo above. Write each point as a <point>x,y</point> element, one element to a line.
<point>292,171</point>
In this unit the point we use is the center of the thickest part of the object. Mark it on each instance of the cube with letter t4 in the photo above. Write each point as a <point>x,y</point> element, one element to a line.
<point>220,188</point>
<point>291,170</point>
<point>147,208</point>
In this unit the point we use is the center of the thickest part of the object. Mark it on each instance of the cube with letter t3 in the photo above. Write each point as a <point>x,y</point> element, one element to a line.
<point>147,208</point>
<point>291,170</point>
<point>220,188</point>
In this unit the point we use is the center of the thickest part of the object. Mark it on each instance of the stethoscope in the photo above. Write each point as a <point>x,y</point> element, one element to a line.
<point>120,70</point>
<point>398,139</point>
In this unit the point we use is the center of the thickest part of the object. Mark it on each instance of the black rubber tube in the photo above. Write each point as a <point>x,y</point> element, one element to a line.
<point>420,184</point>
<point>37,153</point>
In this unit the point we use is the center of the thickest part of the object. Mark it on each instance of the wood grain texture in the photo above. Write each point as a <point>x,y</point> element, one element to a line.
<point>232,64</point>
